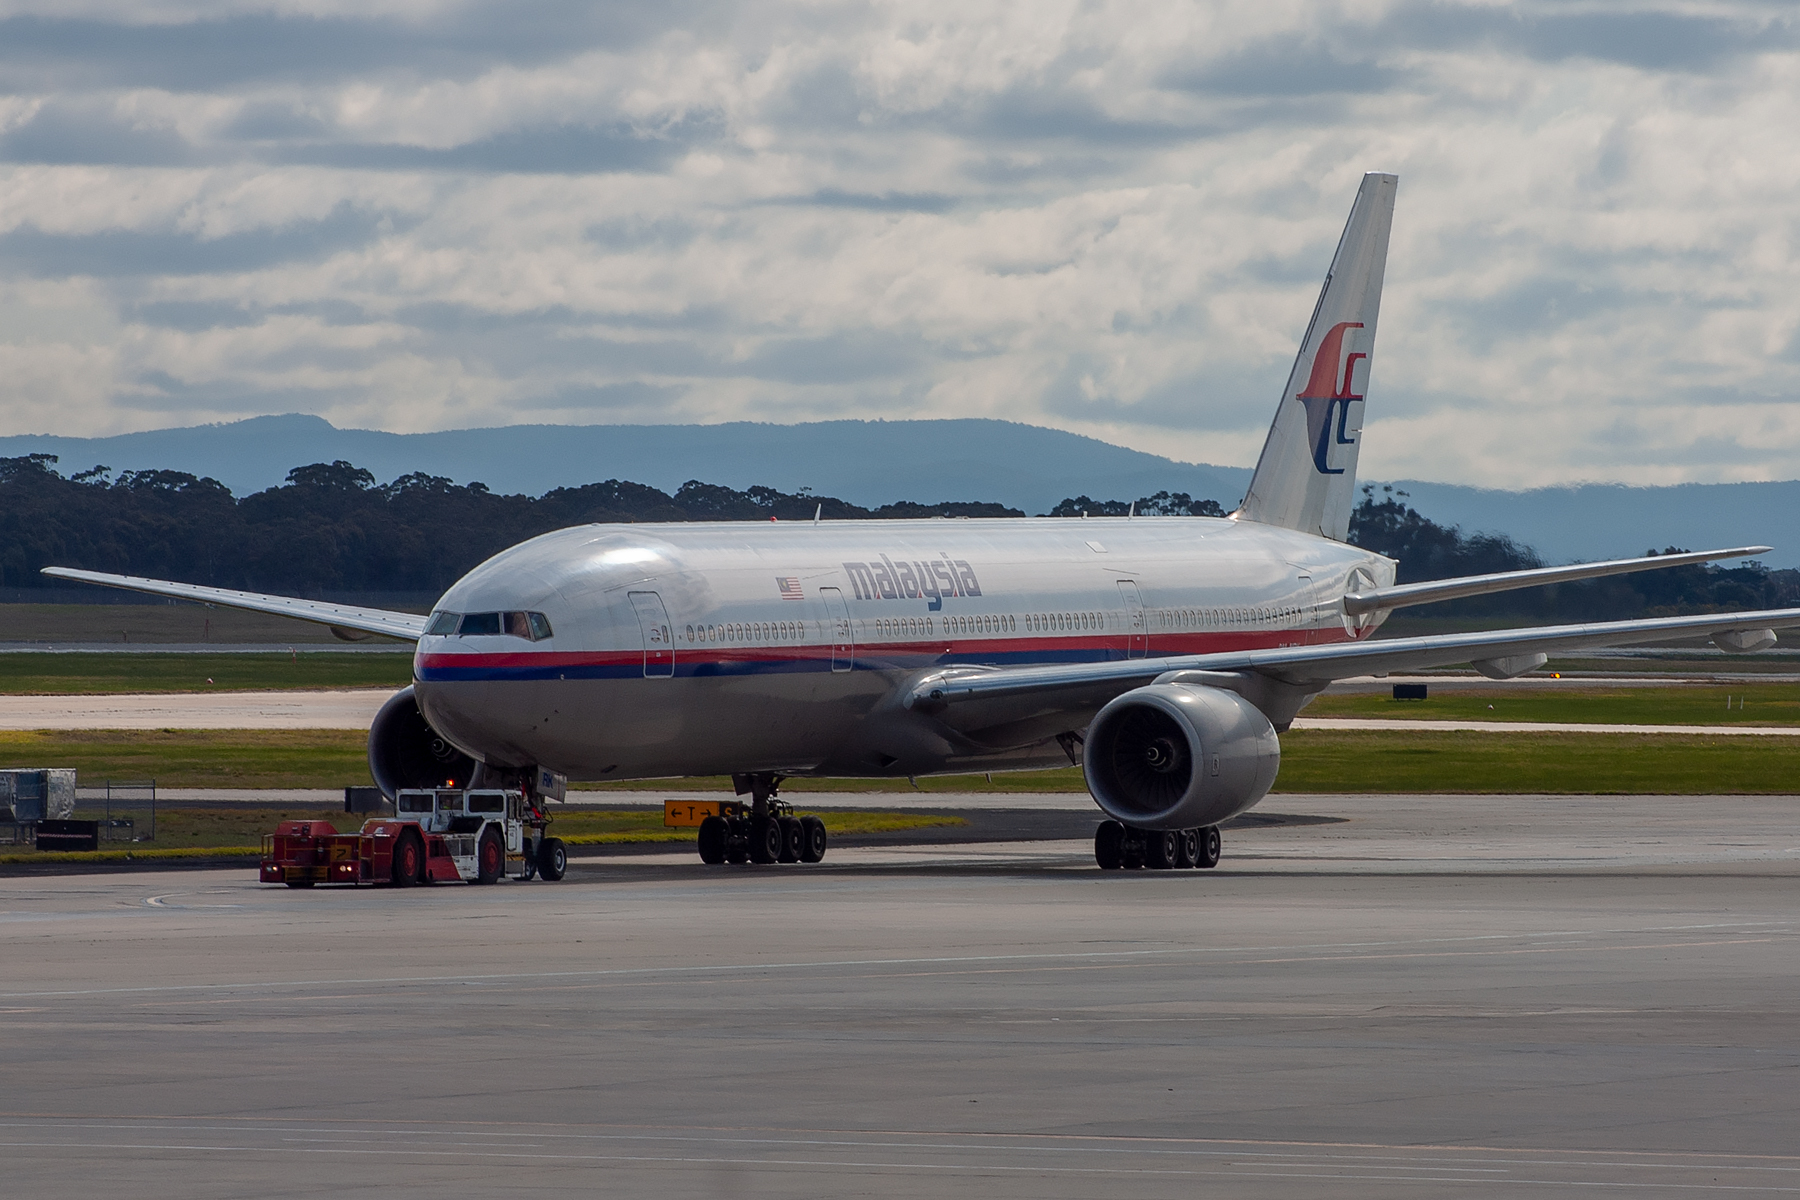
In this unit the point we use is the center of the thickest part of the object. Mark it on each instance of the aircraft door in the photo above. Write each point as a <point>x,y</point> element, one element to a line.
<point>659,635</point>
<point>837,622</point>
<point>1308,600</point>
<point>1137,632</point>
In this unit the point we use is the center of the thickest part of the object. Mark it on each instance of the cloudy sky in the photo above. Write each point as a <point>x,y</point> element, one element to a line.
<point>1106,217</point>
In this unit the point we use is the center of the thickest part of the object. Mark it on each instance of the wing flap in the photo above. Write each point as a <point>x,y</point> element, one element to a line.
<point>405,626</point>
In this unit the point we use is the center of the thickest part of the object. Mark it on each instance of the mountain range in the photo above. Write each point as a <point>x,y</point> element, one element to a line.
<point>871,463</point>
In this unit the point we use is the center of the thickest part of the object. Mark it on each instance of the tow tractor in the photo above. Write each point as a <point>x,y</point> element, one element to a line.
<point>436,835</point>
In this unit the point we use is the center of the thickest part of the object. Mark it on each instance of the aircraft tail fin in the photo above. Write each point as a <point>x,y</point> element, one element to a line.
<point>1306,477</point>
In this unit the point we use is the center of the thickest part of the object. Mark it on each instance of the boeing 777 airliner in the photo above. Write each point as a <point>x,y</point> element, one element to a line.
<point>1163,656</point>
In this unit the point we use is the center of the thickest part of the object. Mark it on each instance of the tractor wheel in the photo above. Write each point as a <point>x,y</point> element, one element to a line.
<point>409,860</point>
<point>552,859</point>
<point>490,858</point>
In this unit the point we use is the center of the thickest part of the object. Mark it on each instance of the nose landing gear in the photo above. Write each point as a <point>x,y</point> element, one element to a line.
<point>1118,846</point>
<point>762,831</point>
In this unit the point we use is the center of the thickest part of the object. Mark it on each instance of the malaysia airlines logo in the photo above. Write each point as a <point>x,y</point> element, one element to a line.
<point>1325,397</point>
<point>934,579</point>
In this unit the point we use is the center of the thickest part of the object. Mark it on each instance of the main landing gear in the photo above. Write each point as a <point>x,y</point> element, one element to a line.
<point>1119,846</point>
<point>762,831</point>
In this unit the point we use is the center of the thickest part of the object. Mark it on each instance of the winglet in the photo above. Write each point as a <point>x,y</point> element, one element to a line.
<point>1306,477</point>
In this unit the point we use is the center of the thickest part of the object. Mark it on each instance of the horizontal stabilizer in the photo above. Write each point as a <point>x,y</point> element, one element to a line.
<point>405,626</point>
<point>1406,595</point>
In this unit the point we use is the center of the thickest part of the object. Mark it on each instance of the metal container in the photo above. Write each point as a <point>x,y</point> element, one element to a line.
<point>32,794</point>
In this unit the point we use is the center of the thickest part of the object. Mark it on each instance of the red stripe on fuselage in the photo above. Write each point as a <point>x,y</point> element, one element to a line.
<point>1160,646</point>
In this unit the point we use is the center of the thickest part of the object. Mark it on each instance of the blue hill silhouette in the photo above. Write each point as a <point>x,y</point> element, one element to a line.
<point>876,462</point>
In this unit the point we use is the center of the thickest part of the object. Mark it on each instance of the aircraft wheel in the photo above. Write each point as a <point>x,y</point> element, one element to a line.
<point>552,859</point>
<point>765,840</point>
<point>1190,849</point>
<point>409,859</point>
<point>1162,849</point>
<point>1109,845</point>
<point>812,839</point>
<point>1210,846</point>
<point>737,840</point>
<point>490,858</point>
<point>792,837</point>
<point>712,840</point>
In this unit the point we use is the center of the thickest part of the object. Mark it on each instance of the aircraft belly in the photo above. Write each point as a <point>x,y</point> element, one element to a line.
<point>649,728</point>
<point>591,729</point>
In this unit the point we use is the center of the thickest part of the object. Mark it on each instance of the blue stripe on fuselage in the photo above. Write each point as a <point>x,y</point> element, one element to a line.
<point>794,666</point>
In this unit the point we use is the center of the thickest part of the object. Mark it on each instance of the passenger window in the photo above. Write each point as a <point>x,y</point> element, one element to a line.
<point>474,624</point>
<point>442,624</point>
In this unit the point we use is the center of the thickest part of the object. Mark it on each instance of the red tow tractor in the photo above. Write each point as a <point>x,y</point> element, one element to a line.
<point>438,835</point>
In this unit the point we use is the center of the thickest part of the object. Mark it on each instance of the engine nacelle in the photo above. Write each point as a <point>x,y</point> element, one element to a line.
<point>1170,756</point>
<point>406,752</point>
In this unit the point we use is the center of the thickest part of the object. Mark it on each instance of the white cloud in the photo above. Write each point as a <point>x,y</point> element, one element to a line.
<point>1106,217</point>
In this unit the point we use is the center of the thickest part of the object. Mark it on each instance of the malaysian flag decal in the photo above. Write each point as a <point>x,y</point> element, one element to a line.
<point>790,588</point>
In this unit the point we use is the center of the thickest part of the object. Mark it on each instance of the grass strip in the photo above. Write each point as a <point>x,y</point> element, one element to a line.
<point>1547,763</point>
<point>1312,761</point>
<point>1681,704</point>
<point>30,674</point>
<point>137,854</point>
<point>198,758</point>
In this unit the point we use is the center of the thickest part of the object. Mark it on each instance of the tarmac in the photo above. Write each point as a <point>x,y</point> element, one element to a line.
<point>1384,996</point>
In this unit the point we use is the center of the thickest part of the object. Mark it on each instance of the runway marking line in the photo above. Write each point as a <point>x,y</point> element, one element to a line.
<point>1132,1143</point>
<point>436,1154</point>
<point>741,968</point>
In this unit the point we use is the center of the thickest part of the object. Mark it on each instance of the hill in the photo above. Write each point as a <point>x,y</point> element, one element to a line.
<point>874,463</point>
<point>870,463</point>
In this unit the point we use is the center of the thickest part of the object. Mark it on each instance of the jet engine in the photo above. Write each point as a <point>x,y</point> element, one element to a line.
<point>406,752</point>
<point>1171,756</point>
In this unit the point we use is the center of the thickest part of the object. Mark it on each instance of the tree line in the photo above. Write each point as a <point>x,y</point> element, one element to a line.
<point>332,528</point>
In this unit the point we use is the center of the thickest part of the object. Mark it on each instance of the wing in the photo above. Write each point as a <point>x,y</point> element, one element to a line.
<point>406,626</point>
<point>1409,594</point>
<point>1027,700</point>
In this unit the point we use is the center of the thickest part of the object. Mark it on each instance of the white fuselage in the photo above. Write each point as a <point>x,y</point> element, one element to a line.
<point>734,647</point>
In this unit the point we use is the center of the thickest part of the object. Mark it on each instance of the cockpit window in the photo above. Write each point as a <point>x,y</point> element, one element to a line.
<point>474,624</point>
<point>533,627</point>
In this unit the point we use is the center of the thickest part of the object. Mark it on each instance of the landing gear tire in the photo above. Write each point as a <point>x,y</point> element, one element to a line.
<point>765,840</point>
<point>713,831</point>
<point>1210,846</point>
<point>1109,845</point>
<point>812,839</point>
<point>737,840</point>
<point>490,859</point>
<point>552,859</point>
<point>1162,849</point>
<point>409,860</point>
<point>1190,849</point>
<point>791,839</point>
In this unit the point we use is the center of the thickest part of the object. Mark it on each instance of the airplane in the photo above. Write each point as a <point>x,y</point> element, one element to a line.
<point>1164,656</point>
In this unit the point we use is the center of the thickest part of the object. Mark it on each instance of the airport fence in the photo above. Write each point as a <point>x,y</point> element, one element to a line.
<point>125,810</point>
